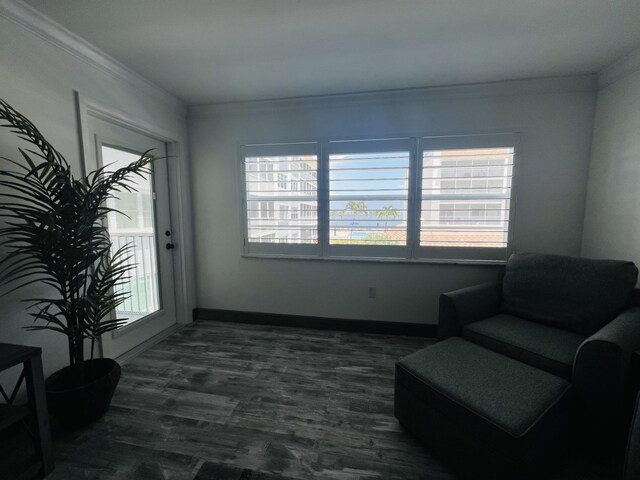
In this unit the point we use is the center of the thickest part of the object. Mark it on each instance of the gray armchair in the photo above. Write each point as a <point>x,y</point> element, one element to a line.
<point>572,317</point>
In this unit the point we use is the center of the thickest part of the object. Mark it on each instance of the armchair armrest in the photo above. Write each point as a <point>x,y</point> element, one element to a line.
<point>467,305</point>
<point>601,365</point>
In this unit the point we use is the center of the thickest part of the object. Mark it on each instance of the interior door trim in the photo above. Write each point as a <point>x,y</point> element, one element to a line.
<point>178,188</point>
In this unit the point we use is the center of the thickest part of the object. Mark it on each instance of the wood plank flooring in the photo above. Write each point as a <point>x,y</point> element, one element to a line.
<point>306,404</point>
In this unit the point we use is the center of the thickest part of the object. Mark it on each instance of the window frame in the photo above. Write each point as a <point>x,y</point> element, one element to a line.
<point>461,142</point>
<point>294,250</point>
<point>413,252</point>
<point>369,146</point>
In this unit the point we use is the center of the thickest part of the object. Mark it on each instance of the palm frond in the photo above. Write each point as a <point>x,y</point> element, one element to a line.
<point>22,126</point>
<point>55,234</point>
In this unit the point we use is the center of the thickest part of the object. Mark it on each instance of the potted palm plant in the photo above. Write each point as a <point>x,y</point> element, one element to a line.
<point>55,234</point>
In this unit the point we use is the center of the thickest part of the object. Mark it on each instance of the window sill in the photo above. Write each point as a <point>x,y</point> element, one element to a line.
<point>377,259</point>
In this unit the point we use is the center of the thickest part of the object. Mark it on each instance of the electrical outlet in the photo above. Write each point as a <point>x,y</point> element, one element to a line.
<point>372,292</point>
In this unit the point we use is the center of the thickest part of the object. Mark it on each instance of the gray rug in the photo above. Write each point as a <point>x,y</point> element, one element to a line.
<point>220,471</point>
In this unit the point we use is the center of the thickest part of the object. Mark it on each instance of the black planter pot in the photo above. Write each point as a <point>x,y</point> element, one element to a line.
<point>75,403</point>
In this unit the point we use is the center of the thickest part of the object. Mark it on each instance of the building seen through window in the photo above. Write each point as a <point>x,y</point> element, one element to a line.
<point>281,196</point>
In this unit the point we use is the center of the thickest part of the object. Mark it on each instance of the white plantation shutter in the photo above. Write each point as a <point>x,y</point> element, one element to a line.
<point>369,197</point>
<point>281,198</point>
<point>465,197</point>
<point>446,199</point>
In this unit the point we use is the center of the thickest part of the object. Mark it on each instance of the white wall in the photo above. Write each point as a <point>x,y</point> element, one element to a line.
<point>554,117</point>
<point>612,216</point>
<point>39,79</point>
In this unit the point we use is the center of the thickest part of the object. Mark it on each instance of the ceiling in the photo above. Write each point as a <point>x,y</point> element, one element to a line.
<point>208,51</point>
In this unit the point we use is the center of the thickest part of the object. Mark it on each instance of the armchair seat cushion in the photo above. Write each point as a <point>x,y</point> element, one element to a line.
<point>547,348</point>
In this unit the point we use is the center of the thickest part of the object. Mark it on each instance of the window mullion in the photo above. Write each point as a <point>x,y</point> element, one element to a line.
<point>323,199</point>
<point>413,203</point>
<point>245,213</point>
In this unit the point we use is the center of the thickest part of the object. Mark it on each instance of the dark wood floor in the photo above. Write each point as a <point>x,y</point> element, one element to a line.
<point>306,404</point>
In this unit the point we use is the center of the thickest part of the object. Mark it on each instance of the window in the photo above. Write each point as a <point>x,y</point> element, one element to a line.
<point>368,197</point>
<point>287,215</point>
<point>308,211</point>
<point>282,181</point>
<point>266,209</point>
<point>465,197</point>
<point>440,198</point>
<point>471,213</point>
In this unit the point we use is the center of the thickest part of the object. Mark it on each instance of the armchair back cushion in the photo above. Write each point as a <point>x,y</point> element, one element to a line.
<point>576,294</point>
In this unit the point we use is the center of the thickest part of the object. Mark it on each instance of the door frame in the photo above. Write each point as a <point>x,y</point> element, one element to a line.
<point>178,199</point>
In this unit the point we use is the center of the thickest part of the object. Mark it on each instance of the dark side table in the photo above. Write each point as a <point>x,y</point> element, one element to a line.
<point>35,413</point>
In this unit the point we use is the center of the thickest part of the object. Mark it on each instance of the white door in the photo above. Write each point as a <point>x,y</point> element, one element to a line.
<point>145,224</point>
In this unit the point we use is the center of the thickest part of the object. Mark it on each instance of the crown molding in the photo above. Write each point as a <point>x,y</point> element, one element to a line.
<point>531,86</point>
<point>620,68</point>
<point>55,34</point>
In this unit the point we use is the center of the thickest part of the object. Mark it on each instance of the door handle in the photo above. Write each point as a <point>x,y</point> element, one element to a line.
<point>170,246</point>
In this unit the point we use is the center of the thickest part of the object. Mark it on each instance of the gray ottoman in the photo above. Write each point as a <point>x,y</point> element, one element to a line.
<point>482,411</point>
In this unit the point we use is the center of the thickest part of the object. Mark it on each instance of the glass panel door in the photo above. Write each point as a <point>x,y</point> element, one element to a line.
<point>144,222</point>
<point>133,223</point>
